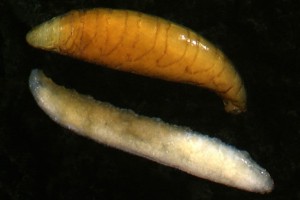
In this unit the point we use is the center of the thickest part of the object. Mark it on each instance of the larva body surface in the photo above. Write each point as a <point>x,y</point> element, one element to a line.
<point>142,44</point>
<point>151,138</point>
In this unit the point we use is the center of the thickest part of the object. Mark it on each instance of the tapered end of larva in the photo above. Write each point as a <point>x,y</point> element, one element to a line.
<point>259,180</point>
<point>36,83</point>
<point>41,88</point>
<point>267,184</point>
<point>45,36</point>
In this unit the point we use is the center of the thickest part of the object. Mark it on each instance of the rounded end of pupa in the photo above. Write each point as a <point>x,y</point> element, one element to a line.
<point>234,108</point>
<point>45,36</point>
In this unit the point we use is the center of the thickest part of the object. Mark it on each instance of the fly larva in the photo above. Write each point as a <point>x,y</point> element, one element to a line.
<point>142,44</point>
<point>154,139</point>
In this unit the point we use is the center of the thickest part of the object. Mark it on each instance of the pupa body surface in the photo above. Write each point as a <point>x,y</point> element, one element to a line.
<point>142,44</point>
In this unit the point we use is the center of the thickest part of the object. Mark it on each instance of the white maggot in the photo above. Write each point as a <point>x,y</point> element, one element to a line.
<point>151,138</point>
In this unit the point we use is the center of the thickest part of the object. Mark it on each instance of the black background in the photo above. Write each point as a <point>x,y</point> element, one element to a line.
<point>41,160</point>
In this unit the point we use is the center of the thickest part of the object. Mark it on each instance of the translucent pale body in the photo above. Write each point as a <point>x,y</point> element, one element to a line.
<point>151,138</point>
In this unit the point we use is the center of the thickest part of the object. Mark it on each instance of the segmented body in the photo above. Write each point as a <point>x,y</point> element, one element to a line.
<point>143,44</point>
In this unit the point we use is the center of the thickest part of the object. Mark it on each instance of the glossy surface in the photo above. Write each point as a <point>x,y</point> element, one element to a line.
<point>142,44</point>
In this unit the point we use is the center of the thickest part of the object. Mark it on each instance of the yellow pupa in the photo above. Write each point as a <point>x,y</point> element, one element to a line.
<point>142,44</point>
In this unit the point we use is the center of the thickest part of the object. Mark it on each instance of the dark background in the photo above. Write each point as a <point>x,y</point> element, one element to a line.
<point>41,160</point>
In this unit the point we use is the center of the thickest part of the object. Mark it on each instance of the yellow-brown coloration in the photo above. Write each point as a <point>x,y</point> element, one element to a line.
<point>142,44</point>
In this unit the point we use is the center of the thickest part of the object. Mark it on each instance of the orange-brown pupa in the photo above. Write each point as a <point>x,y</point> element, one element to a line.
<point>142,44</point>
